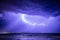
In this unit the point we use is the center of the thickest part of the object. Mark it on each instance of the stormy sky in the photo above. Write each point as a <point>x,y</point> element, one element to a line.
<point>12,20</point>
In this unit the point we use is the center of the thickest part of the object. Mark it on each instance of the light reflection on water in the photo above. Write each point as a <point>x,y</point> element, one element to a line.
<point>31,39</point>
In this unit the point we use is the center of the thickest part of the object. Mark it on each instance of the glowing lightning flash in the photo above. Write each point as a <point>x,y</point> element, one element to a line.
<point>26,21</point>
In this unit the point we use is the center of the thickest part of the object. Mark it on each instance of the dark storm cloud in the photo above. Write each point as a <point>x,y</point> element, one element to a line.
<point>47,5</point>
<point>3,23</point>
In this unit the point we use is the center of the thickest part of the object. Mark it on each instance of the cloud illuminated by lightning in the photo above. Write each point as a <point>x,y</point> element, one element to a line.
<point>29,22</point>
<point>26,21</point>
